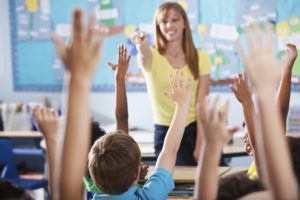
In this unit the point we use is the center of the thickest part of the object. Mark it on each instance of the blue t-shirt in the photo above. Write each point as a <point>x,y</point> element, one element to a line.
<point>158,186</point>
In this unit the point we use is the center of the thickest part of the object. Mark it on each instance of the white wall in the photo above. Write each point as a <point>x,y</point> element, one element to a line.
<point>103,104</point>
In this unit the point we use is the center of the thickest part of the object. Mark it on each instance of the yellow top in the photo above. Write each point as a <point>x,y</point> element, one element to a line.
<point>157,78</point>
<point>252,174</point>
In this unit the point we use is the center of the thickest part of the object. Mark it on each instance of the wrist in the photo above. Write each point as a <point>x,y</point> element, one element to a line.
<point>212,147</point>
<point>79,80</point>
<point>120,78</point>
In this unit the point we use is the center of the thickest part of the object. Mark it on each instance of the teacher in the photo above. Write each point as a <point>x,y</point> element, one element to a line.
<point>174,49</point>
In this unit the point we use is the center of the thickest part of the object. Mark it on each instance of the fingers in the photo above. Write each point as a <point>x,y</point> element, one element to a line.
<point>78,26</point>
<point>92,30</point>
<point>224,113</point>
<point>138,37</point>
<point>112,66</point>
<point>233,88</point>
<point>233,130</point>
<point>214,109</point>
<point>59,45</point>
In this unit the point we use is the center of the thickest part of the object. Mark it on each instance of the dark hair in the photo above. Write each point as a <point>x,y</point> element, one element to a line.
<point>97,132</point>
<point>11,191</point>
<point>236,185</point>
<point>294,146</point>
<point>114,161</point>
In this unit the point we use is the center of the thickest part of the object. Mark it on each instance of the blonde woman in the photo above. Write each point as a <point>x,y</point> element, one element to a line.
<point>174,50</point>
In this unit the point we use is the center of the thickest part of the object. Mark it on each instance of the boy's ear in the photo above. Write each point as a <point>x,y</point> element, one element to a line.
<point>137,174</point>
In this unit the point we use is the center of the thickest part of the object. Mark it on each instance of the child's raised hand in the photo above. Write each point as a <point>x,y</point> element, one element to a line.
<point>215,123</point>
<point>181,89</point>
<point>123,62</point>
<point>260,61</point>
<point>240,88</point>
<point>47,120</point>
<point>139,38</point>
<point>82,54</point>
<point>290,56</point>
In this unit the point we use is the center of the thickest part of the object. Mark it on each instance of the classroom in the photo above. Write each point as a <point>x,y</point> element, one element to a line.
<point>178,89</point>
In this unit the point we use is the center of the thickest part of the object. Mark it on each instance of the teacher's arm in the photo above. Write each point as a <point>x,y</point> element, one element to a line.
<point>203,91</point>
<point>144,56</point>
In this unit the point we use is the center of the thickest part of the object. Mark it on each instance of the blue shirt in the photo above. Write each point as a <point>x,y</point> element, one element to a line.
<point>158,186</point>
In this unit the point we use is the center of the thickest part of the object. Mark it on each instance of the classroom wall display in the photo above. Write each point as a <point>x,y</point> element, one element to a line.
<point>216,24</point>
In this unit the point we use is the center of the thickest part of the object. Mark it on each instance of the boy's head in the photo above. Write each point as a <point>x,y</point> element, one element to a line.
<point>114,162</point>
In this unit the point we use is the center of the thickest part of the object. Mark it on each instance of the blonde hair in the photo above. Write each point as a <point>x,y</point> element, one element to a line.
<point>188,46</point>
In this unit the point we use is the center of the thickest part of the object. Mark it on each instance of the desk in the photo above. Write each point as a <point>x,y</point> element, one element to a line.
<point>145,140</point>
<point>187,174</point>
<point>184,178</point>
<point>20,134</point>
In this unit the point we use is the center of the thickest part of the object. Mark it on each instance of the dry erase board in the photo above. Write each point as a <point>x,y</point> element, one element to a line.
<point>215,25</point>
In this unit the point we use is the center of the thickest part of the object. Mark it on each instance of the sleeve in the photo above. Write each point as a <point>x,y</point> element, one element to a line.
<point>158,186</point>
<point>155,55</point>
<point>204,63</point>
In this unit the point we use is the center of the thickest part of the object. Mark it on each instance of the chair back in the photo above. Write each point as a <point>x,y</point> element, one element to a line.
<point>7,160</point>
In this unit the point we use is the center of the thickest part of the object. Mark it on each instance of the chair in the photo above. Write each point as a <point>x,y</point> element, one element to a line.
<point>11,173</point>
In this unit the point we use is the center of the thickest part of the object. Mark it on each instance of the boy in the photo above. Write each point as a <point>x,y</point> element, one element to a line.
<point>114,160</point>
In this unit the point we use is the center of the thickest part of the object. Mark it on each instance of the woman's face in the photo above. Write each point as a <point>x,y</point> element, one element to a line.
<point>172,26</point>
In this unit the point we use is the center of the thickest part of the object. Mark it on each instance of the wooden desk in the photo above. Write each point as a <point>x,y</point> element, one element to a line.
<point>20,134</point>
<point>234,149</point>
<point>145,140</point>
<point>187,174</point>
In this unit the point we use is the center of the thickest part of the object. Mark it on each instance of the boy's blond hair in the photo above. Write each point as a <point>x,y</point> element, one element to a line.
<point>114,160</point>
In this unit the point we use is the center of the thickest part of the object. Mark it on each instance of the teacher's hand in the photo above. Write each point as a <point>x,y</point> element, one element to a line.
<point>139,38</point>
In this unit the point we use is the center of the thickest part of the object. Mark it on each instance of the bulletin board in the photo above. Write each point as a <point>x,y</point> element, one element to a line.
<point>215,25</point>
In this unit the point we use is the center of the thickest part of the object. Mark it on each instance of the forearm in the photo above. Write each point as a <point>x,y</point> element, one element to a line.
<point>76,139</point>
<point>144,55</point>
<point>51,144</point>
<point>199,139</point>
<point>283,185</point>
<point>207,180</point>
<point>283,94</point>
<point>121,105</point>
<point>168,155</point>
<point>249,113</point>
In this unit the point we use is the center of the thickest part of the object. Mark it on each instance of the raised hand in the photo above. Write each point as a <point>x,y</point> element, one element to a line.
<point>47,120</point>
<point>123,62</point>
<point>181,89</point>
<point>139,38</point>
<point>82,54</point>
<point>260,61</point>
<point>241,89</point>
<point>290,56</point>
<point>215,123</point>
<point>144,170</point>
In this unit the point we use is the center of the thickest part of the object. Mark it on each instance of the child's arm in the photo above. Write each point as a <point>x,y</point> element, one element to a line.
<point>80,58</point>
<point>284,90</point>
<point>242,93</point>
<point>181,95</point>
<point>121,98</point>
<point>215,136</point>
<point>203,91</point>
<point>264,72</point>
<point>139,38</point>
<point>47,120</point>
